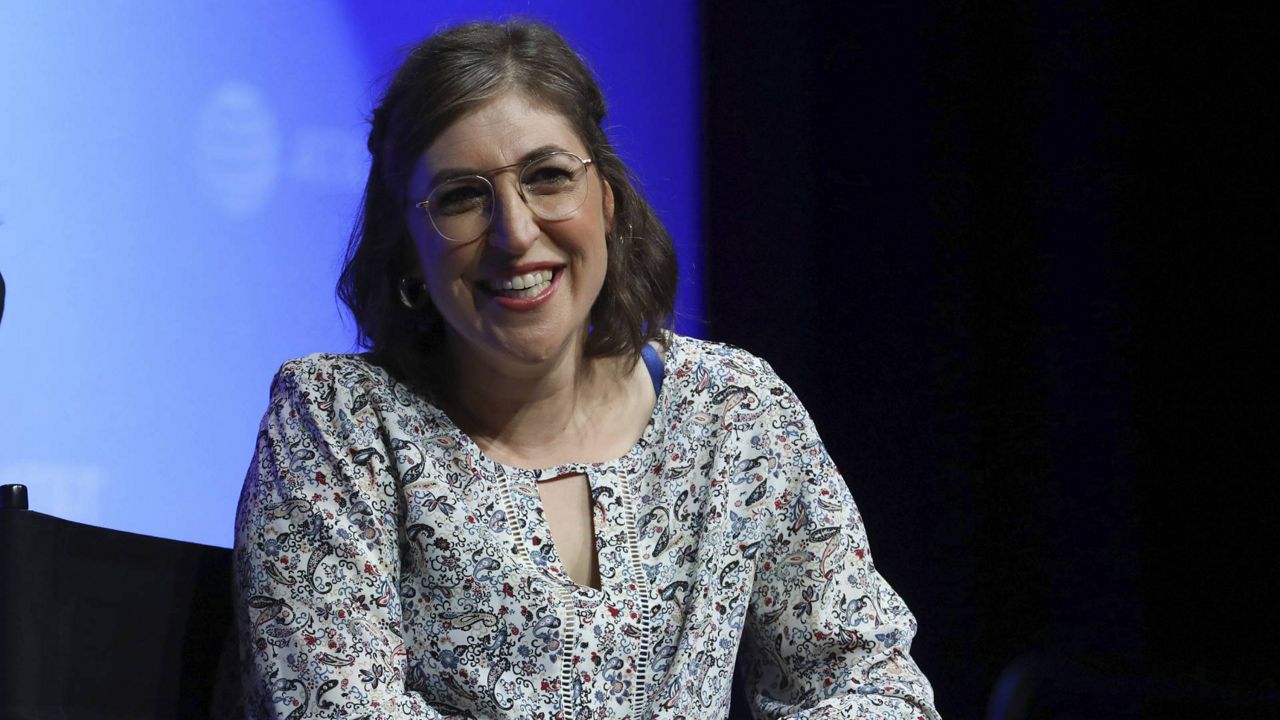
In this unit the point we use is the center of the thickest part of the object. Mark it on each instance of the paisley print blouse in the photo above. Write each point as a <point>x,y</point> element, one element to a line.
<point>386,568</point>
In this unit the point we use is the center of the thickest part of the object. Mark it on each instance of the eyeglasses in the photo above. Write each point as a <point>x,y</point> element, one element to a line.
<point>553,186</point>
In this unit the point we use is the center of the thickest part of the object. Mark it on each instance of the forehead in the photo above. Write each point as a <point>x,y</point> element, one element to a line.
<point>499,132</point>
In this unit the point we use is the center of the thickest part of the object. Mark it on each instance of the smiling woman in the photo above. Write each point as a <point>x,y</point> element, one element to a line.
<point>500,511</point>
<point>540,214</point>
<point>417,143</point>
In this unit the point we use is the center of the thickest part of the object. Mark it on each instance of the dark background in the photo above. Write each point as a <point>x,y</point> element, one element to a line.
<point>1018,260</point>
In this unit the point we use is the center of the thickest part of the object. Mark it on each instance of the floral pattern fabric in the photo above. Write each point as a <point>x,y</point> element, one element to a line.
<point>387,568</point>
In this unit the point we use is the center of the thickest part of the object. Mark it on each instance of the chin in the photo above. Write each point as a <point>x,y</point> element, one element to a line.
<point>536,351</point>
<point>529,348</point>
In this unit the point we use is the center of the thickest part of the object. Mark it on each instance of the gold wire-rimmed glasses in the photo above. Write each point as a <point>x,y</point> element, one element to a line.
<point>553,185</point>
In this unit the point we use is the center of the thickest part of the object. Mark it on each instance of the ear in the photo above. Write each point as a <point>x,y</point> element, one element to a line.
<point>608,204</point>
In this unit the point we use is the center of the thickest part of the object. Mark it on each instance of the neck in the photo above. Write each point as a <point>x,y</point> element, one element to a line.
<point>527,413</point>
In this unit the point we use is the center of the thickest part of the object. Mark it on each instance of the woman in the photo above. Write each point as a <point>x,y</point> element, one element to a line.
<point>501,511</point>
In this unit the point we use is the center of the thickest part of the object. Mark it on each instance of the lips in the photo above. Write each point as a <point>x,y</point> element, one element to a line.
<point>525,285</point>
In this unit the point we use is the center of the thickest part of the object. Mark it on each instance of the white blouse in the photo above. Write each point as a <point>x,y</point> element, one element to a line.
<point>386,568</point>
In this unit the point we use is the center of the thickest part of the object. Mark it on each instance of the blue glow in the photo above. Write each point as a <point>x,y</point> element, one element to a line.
<point>177,182</point>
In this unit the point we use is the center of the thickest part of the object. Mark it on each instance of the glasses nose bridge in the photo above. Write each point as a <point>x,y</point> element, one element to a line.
<point>509,221</point>
<point>515,171</point>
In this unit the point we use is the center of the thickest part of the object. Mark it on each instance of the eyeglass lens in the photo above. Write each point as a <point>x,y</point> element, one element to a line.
<point>554,186</point>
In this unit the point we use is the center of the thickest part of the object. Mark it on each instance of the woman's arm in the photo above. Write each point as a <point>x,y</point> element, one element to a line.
<point>826,635</point>
<point>318,562</point>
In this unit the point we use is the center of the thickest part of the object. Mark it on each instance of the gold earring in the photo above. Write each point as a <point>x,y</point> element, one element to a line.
<point>413,293</point>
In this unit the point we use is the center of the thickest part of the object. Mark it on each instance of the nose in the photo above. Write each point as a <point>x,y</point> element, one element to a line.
<point>514,227</point>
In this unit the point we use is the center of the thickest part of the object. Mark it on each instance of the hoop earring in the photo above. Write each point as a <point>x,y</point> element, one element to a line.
<point>413,293</point>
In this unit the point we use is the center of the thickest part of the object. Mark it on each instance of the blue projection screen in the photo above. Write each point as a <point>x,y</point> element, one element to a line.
<point>177,185</point>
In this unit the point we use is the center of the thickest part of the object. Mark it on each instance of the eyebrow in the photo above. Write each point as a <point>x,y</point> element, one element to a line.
<point>447,174</point>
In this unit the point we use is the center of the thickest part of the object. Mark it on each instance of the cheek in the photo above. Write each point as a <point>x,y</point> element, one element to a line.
<point>445,269</point>
<point>418,241</point>
<point>434,271</point>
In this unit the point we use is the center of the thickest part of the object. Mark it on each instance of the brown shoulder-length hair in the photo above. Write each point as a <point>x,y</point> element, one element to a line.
<point>443,78</point>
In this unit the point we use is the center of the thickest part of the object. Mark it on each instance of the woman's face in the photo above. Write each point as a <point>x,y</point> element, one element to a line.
<point>465,279</point>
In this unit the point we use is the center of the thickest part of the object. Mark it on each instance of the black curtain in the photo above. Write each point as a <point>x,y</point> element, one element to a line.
<point>1019,260</point>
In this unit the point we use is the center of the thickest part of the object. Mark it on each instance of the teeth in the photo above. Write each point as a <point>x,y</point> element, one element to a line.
<point>522,286</point>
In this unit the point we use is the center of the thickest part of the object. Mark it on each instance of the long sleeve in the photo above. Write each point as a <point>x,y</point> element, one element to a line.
<point>826,636</point>
<point>318,558</point>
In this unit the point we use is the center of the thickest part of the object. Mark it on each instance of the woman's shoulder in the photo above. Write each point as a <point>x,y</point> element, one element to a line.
<point>347,381</point>
<point>710,379</point>
<point>324,365</point>
<point>327,370</point>
<point>349,397</point>
<point>716,362</point>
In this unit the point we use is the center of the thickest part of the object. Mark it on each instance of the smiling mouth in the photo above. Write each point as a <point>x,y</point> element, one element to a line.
<point>527,285</point>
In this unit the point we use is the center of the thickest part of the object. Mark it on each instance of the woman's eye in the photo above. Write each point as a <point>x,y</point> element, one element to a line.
<point>460,199</point>
<point>547,178</point>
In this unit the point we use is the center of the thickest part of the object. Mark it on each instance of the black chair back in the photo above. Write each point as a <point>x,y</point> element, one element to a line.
<point>97,623</point>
